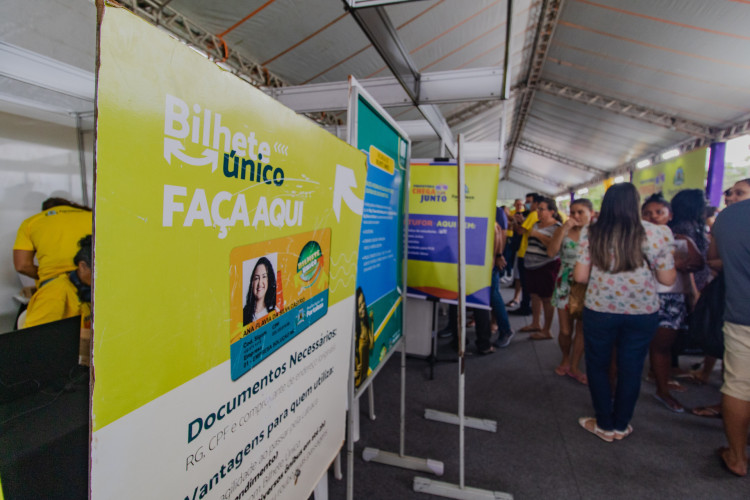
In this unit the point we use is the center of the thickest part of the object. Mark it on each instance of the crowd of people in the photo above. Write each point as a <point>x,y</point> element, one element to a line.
<point>624,281</point>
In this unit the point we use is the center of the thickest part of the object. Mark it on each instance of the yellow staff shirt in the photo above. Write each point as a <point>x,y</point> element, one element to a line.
<point>56,300</point>
<point>527,225</point>
<point>54,235</point>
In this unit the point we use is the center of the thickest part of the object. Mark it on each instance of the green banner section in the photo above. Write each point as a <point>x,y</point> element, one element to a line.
<point>685,172</point>
<point>379,316</point>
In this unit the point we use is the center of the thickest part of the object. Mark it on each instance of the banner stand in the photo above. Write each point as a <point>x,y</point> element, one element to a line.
<point>399,459</point>
<point>439,488</point>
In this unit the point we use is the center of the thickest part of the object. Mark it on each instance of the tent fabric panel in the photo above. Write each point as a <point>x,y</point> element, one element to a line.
<point>549,169</point>
<point>650,36</point>
<point>629,129</point>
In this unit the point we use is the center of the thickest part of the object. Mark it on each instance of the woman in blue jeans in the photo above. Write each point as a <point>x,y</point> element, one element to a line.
<point>621,258</point>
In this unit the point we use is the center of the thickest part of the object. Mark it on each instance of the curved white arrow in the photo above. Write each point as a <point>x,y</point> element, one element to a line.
<point>173,147</point>
<point>342,190</point>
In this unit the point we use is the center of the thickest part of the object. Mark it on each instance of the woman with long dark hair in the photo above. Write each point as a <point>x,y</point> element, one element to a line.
<point>672,312</point>
<point>622,259</point>
<point>261,295</point>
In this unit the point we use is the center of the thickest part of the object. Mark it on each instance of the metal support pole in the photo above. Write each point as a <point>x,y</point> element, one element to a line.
<point>321,489</point>
<point>82,160</point>
<point>461,327</point>
<point>371,401</point>
<point>715,181</point>
<point>429,486</point>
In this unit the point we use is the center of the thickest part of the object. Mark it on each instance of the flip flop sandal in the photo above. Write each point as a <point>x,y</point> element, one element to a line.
<point>539,336</point>
<point>620,435</point>
<point>579,377</point>
<point>589,423</point>
<point>529,329</point>
<point>513,303</point>
<point>706,412</point>
<point>672,405</point>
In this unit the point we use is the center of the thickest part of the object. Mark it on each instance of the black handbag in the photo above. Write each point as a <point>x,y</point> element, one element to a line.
<point>706,321</point>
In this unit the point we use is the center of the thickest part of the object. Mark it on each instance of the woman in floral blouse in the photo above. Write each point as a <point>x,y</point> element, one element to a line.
<point>622,259</point>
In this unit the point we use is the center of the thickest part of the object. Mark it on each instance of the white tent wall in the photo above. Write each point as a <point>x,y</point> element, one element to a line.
<point>47,59</point>
<point>37,159</point>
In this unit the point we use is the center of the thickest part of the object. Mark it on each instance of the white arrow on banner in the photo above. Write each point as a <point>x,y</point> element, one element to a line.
<point>173,147</point>
<point>342,190</point>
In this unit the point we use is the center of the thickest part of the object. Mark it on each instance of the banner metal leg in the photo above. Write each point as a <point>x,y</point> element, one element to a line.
<point>440,488</point>
<point>337,468</point>
<point>400,459</point>
<point>321,489</point>
<point>371,400</point>
<point>448,490</point>
<point>482,424</point>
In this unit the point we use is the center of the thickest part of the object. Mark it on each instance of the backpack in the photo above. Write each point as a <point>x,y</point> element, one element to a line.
<point>706,321</point>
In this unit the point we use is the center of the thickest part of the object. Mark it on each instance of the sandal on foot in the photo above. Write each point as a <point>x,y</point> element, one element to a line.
<point>620,435</point>
<point>529,328</point>
<point>539,336</point>
<point>589,423</point>
<point>579,377</point>
<point>693,378</point>
<point>489,350</point>
<point>670,403</point>
<point>675,386</point>
<point>707,411</point>
<point>513,304</point>
<point>562,370</point>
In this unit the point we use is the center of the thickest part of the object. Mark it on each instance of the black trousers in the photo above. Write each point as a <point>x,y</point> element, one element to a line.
<point>481,320</point>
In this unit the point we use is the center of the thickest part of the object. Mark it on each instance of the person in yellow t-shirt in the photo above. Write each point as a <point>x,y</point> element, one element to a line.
<point>513,241</point>
<point>52,237</point>
<point>64,295</point>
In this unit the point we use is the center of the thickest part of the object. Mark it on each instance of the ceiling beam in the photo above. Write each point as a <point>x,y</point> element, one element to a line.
<point>735,130</point>
<point>545,152</point>
<point>537,177</point>
<point>474,109</point>
<point>527,186</point>
<point>211,46</point>
<point>381,33</point>
<point>201,39</point>
<point>549,15</point>
<point>625,108</point>
<point>358,4</point>
<point>479,84</point>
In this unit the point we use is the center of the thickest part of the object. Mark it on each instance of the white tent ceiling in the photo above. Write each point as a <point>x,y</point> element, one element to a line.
<point>595,84</point>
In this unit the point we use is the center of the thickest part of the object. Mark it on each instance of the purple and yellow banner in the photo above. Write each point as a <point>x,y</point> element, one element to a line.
<point>433,231</point>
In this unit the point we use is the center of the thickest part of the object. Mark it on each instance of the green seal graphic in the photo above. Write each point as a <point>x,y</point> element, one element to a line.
<point>309,263</point>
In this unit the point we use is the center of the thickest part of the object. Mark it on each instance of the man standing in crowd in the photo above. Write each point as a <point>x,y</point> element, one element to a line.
<point>731,242</point>
<point>522,224</point>
<point>505,334</point>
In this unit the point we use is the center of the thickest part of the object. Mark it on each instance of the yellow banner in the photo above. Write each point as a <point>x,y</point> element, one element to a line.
<point>193,163</point>
<point>226,239</point>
